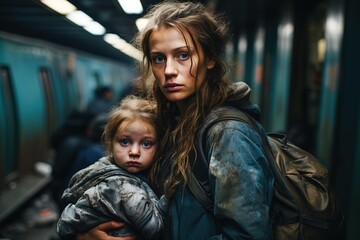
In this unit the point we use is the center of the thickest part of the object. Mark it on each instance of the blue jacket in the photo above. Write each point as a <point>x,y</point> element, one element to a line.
<point>240,181</point>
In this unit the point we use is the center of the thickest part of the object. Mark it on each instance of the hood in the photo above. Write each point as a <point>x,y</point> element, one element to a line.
<point>239,97</point>
<point>89,177</point>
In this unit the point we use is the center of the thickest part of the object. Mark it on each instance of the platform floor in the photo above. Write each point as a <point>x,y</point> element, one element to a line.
<point>36,221</point>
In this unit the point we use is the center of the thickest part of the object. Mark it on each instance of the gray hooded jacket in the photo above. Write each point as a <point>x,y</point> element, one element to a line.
<point>104,192</point>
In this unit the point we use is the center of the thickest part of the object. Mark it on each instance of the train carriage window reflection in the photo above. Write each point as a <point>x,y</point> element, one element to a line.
<point>46,80</point>
<point>8,128</point>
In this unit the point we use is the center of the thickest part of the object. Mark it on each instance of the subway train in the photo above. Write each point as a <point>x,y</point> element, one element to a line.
<point>300,58</point>
<point>41,85</point>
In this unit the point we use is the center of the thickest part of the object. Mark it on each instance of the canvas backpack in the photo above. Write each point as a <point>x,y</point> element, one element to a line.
<point>304,205</point>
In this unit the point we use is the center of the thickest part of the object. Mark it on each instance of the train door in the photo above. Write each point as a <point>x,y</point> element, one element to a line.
<point>278,85</point>
<point>50,103</point>
<point>8,128</point>
<point>308,57</point>
<point>330,82</point>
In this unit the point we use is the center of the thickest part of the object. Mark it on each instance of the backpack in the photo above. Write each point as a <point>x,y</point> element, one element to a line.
<point>304,205</point>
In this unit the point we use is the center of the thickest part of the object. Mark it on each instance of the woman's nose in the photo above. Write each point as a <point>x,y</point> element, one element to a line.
<point>170,68</point>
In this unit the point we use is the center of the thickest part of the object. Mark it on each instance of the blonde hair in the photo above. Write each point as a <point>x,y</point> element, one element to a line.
<point>207,32</point>
<point>130,108</point>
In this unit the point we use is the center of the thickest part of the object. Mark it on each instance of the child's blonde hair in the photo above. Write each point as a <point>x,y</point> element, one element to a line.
<point>130,108</point>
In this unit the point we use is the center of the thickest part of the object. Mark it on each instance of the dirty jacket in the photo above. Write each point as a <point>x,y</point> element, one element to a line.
<point>104,192</point>
<point>239,179</point>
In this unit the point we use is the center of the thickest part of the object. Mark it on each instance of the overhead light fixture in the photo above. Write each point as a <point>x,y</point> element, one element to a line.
<point>128,49</point>
<point>141,23</point>
<point>123,46</point>
<point>131,6</point>
<point>60,6</point>
<point>95,28</point>
<point>111,38</point>
<point>82,19</point>
<point>79,17</point>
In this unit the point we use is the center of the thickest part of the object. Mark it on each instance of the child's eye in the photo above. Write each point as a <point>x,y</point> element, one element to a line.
<point>147,144</point>
<point>124,142</point>
<point>158,59</point>
<point>183,56</point>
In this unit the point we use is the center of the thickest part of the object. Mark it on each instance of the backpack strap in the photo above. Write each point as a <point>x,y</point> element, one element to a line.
<point>226,114</point>
<point>198,190</point>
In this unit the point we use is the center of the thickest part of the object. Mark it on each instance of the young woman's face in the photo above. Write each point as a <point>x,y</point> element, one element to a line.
<point>174,66</point>
<point>134,145</point>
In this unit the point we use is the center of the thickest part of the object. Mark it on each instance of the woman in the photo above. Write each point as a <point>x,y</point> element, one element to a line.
<point>183,46</point>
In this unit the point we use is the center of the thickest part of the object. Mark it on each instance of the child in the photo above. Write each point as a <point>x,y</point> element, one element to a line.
<point>114,188</point>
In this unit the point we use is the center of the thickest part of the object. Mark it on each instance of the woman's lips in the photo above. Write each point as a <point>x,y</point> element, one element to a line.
<point>173,87</point>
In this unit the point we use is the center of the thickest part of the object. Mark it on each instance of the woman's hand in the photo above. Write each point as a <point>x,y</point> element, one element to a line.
<point>100,232</point>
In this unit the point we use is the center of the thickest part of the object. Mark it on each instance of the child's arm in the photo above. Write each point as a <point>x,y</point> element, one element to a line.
<point>135,203</point>
<point>120,199</point>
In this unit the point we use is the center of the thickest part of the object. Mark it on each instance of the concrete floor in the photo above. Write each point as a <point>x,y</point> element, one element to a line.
<point>36,233</point>
<point>37,221</point>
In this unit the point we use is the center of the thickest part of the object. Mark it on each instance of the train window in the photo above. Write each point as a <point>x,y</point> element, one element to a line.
<point>45,78</point>
<point>8,128</point>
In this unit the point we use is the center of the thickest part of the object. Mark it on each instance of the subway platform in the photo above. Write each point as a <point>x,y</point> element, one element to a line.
<point>35,221</point>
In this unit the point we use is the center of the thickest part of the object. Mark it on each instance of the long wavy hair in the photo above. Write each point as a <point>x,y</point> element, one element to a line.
<point>207,32</point>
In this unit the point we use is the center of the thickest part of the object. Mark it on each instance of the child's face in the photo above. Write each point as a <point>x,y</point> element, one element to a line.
<point>134,145</point>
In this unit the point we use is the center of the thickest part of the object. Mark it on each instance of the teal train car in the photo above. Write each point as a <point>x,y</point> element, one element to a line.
<point>40,85</point>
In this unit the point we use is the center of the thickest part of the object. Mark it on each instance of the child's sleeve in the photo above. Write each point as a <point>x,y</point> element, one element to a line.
<point>133,202</point>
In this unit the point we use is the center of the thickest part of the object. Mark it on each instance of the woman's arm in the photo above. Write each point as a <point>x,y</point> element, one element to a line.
<point>100,232</point>
<point>241,181</point>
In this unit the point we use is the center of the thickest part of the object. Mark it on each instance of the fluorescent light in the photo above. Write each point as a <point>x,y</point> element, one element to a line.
<point>141,23</point>
<point>111,38</point>
<point>123,46</point>
<point>128,49</point>
<point>131,6</point>
<point>95,28</point>
<point>60,6</point>
<point>79,17</point>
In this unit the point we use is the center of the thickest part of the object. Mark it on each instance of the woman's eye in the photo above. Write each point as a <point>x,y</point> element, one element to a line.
<point>183,56</point>
<point>124,142</point>
<point>147,144</point>
<point>158,59</point>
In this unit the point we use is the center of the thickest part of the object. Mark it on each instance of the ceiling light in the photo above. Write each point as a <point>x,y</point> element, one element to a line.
<point>123,46</point>
<point>79,17</point>
<point>141,23</point>
<point>111,38</point>
<point>128,49</point>
<point>60,6</point>
<point>131,6</point>
<point>95,28</point>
